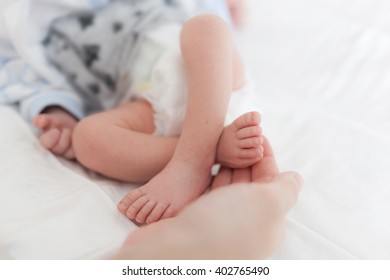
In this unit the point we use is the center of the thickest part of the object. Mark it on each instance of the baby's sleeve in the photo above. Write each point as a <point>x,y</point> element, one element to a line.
<point>23,88</point>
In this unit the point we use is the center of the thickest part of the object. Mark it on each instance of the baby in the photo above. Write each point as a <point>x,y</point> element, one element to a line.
<point>167,134</point>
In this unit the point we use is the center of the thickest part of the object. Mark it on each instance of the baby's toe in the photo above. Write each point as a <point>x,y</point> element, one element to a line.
<point>223,178</point>
<point>247,143</point>
<point>248,119</point>
<point>129,199</point>
<point>145,211</point>
<point>170,212</point>
<point>157,212</point>
<point>248,132</point>
<point>136,206</point>
<point>253,153</point>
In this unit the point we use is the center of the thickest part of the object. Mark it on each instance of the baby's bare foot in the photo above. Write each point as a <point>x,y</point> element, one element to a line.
<point>180,183</point>
<point>166,194</point>
<point>241,143</point>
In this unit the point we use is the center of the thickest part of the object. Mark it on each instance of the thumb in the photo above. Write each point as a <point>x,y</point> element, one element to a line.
<point>288,186</point>
<point>41,121</point>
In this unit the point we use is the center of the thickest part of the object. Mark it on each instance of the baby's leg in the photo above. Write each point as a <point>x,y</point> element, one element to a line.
<point>212,71</point>
<point>119,143</point>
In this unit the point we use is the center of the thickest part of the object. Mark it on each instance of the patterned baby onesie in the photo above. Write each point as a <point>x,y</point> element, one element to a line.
<point>94,49</point>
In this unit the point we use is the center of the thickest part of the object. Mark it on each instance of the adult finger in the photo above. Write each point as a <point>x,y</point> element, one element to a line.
<point>287,187</point>
<point>223,178</point>
<point>266,169</point>
<point>241,175</point>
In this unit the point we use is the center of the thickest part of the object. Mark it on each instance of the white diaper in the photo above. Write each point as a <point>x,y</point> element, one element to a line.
<point>168,94</point>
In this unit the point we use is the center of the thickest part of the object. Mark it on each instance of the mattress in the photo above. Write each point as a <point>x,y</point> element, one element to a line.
<point>322,73</point>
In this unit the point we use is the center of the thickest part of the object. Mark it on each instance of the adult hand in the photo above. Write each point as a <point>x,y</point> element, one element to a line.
<point>263,171</point>
<point>239,221</point>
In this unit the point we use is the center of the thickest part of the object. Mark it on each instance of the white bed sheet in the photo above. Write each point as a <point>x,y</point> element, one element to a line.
<point>322,69</point>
